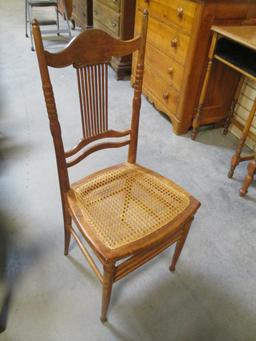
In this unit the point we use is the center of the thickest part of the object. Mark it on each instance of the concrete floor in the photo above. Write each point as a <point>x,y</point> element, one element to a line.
<point>48,297</point>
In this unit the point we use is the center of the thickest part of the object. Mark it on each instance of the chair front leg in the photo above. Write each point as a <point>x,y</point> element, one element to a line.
<point>179,246</point>
<point>108,276</point>
<point>67,234</point>
<point>249,177</point>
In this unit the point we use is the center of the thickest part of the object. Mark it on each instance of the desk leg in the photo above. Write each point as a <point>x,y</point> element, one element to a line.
<point>233,106</point>
<point>249,177</point>
<point>196,120</point>
<point>236,157</point>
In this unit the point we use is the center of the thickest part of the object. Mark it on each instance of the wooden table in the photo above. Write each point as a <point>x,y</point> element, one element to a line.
<point>234,46</point>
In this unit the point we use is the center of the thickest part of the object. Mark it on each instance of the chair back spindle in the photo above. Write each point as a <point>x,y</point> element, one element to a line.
<point>93,96</point>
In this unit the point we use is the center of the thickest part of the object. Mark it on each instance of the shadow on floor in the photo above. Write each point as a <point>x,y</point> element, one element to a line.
<point>203,310</point>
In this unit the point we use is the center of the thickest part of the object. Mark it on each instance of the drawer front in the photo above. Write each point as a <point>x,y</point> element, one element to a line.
<point>114,4</point>
<point>178,12</point>
<point>168,40</point>
<point>107,17</point>
<point>169,70</point>
<point>159,88</point>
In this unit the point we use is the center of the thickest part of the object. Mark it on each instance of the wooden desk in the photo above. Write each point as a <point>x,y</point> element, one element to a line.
<point>234,46</point>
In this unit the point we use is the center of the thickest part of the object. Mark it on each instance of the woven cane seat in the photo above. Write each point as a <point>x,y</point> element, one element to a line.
<point>126,203</point>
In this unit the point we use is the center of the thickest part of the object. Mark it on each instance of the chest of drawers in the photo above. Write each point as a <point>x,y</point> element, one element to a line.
<point>116,17</point>
<point>176,53</point>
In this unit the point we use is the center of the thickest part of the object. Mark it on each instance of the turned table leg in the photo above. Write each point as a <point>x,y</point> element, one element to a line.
<point>236,157</point>
<point>249,177</point>
<point>233,105</point>
<point>196,120</point>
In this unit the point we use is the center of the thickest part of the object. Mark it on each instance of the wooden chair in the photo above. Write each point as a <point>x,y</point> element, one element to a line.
<point>125,213</point>
<point>249,177</point>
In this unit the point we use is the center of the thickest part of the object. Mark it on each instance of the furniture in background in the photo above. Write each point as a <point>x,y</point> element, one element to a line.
<point>32,4</point>
<point>116,17</point>
<point>234,46</point>
<point>126,213</point>
<point>249,177</point>
<point>79,12</point>
<point>176,54</point>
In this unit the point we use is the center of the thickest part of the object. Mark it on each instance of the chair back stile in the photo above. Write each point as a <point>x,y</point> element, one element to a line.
<point>53,118</point>
<point>136,104</point>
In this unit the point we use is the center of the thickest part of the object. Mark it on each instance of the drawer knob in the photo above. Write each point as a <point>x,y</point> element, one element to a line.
<point>114,1</point>
<point>166,96</point>
<point>180,12</point>
<point>170,71</point>
<point>174,42</point>
<point>113,24</point>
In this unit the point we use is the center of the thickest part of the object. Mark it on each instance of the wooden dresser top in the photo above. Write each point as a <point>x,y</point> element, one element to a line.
<point>245,35</point>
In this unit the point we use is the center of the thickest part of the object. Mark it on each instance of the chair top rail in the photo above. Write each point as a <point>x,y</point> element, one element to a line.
<point>91,47</point>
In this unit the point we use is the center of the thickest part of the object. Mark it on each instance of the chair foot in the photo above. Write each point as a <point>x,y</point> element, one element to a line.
<point>172,268</point>
<point>67,242</point>
<point>103,319</point>
<point>26,35</point>
<point>32,49</point>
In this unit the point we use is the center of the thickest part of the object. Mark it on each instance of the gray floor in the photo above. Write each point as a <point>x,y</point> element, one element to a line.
<point>49,297</point>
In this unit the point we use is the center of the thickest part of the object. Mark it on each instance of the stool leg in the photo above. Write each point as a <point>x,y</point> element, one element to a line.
<point>30,27</point>
<point>233,106</point>
<point>196,120</point>
<point>58,21</point>
<point>67,21</point>
<point>249,177</point>
<point>26,18</point>
<point>236,157</point>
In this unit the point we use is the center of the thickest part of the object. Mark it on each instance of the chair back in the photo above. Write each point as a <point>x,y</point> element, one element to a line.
<point>90,53</point>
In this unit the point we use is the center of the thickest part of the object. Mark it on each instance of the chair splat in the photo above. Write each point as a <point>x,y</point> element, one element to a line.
<point>93,95</point>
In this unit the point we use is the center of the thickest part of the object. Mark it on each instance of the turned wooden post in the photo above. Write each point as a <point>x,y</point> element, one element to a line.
<point>249,177</point>
<point>236,157</point>
<point>233,106</point>
<point>55,131</point>
<point>196,120</point>
<point>137,92</point>
<point>179,245</point>
<point>108,278</point>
